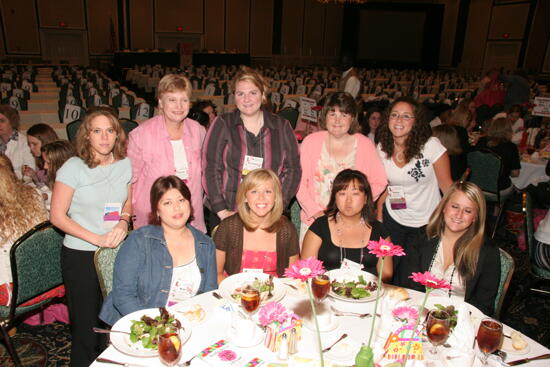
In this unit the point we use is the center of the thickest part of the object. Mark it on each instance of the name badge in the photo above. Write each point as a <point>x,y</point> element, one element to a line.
<point>111,214</point>
<point>348,264</point>
<point>397,197</point>
<point>252,270</point>
<point>251,163</point>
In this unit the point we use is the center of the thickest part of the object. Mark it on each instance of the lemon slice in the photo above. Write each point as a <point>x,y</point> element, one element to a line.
<point>176,342</point>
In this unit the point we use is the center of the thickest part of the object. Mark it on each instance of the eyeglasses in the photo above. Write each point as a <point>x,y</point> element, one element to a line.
<point>405,116</point>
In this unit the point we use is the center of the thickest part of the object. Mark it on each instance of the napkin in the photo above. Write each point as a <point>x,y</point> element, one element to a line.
<point>461,340</point>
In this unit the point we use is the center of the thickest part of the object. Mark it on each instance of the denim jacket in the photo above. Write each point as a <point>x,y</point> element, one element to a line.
<point>143,272</point>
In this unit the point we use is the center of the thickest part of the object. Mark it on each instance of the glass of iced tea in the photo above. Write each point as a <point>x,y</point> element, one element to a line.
<point>489,337</point>
<point>250,298</point>
<point>437,329</point>
<point>169,346</point>
<point>320,285</point>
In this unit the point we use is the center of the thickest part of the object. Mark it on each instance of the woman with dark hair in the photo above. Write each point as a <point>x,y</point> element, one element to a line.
<point>325,153</point>
<point>13,143</point>
<point>37,136</point>
<point>348,225</point>
<point>417,166</point>
<point>54,155</point>
<point>165,262</point>
<point>371,122</point>
<point>448,136</point>
<point>454,248</point>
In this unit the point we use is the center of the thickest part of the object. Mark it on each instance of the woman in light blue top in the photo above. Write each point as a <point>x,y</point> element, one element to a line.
<point>90,204</point>
<point>163,263</point>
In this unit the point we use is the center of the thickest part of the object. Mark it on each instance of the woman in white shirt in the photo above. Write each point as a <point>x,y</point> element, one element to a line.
<point>13,143</point>
<point>417,167</point>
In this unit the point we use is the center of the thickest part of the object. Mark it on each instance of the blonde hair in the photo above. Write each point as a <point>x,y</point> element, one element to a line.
<point>83,147</point>
<point>448,136</point>
<point>248,74</point>
<point>499,131</point>
<point>460,117</point>
<point>57,153</point>
<point>20,204</point>
<point>466,248</point>
<point>171,83</point>
<point>252,180</point>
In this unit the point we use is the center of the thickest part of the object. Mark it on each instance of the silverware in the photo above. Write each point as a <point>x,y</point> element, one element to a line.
<point>107,331</point>
<point>216,294</point>
<point>344,335</point>
<point>105,360</point>
<point>270,286</point>
<point>291,286</point>
<point>187,363</point>
<point>525,360</point>
<point>342,313</point>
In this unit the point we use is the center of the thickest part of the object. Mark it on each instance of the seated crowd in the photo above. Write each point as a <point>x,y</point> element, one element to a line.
<point>371,172</point>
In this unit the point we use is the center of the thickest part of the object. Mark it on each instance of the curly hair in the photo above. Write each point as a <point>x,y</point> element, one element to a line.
<point>346,104</point>
<point>416,139</point>
<point>21,205</point>
<point>83,147</point>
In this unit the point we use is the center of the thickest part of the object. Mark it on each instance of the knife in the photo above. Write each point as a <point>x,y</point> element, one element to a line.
<point>105,360</point>
<point>525,360</point>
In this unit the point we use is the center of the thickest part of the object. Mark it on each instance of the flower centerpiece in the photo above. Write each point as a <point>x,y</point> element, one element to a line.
<point>406,315</point>
<point>381,249</point>
<point>279,321</point>
<point>305,270</point>
<point>430,282</point>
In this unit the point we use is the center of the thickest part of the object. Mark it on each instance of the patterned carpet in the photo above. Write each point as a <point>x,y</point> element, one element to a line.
<point>523,310</point>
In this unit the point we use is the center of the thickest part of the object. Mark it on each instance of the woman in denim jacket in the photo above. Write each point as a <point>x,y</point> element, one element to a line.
<point>163,263</point>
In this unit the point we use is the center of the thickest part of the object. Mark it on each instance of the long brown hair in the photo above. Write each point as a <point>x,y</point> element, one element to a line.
<point>83,147</point>
<point>467,247</point>
<point>57,153</point>
<point>45,134</point>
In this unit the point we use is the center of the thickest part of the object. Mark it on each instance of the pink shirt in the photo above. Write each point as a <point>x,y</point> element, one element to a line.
<point>264,260</point>
<point>366,161</point>
<point>152,156</point>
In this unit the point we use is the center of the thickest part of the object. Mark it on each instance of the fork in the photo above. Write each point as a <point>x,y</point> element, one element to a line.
<point>187,363</point>
<point>341,313</point>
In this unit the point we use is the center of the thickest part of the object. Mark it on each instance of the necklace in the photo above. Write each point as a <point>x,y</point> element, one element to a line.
<point>343,251</point>
<point>452,273</point>
<point>400,157</point>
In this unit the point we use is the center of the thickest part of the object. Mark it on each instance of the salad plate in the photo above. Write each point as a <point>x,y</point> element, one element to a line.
<point>229,288</point>
<point>123,343</point>
<point>361,279</point>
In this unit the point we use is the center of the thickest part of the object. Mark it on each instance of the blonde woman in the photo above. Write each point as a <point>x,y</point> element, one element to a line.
<point>91,204</point>
<point>454,248</point>
<point>258,236</point>
<point>448,137</point>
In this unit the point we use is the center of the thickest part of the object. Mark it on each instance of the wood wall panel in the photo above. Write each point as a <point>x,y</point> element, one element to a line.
<point>261,27</point>
<point>100,14</point>
<point>476,34</point>
<point>170,14</point>
<point>237,22</point>
<point>333,31</point>
<point>509,19</point>
<point>292,27</point>
<point>71,12</point>
<point>448,32</point>
<point>314,23</point>
<point>501,54</point>
<point>141,24</point>
<point>214,27</point>
<point>538,39</point>
<point>18,15</point>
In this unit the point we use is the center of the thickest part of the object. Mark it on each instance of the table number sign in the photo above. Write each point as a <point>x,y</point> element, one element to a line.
<point>542,106</point>
<point>396,344</point>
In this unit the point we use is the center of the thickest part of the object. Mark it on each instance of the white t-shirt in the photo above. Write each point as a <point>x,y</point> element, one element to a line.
<point>419,184</point>
<point>180,159</point>
<point>543,231</point>
<point>186,280</point>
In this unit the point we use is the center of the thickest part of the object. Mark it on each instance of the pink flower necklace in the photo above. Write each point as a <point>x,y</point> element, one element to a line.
<point>452,273</point>
<point>339,227</point>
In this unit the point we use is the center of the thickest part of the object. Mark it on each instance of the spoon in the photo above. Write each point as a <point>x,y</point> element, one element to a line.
<point>344,335</point>
<point>107,331</point>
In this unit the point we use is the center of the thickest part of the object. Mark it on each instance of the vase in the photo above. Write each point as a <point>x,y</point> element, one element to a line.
<point>365,357</point>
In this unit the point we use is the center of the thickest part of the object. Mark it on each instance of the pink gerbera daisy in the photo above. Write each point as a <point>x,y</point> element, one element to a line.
<point>428,280</point>
<point>383,248</point>
<point>305,269</point>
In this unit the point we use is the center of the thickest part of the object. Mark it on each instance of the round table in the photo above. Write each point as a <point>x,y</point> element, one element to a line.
<point>530,173</point>
<point>218,321</point>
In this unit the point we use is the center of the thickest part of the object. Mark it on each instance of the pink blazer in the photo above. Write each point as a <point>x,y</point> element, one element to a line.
<point>367,161</point>
<point>152,156</point>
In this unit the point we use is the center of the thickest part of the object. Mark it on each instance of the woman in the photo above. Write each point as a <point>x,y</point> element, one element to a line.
<point>167,144</point>
<point>13,143</point>
<point>346,228</point>
<point>460,120</point>
<point>498,141</point>
<point>258,236</point>
<point>417,166</point>
<point>91,204</point>
<point>169,254</point>
<point>37,136</point>
<point>248,138</point>
<point>454,248</point>
<point>54,155</point>
<point>325,153</point>
<point>372,119</point>
<point>448,136</point>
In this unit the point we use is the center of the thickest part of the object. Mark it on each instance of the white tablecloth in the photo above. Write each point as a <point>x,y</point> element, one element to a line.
<point>217,325</point>
<point>530,173</point>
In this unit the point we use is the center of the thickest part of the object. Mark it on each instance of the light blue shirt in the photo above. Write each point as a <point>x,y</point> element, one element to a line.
<point>93,188</point>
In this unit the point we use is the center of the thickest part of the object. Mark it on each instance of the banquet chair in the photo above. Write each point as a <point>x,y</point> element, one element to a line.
<point>128,125</point>
<point>104,261</point>
<point>507,268</point>
<point>36,268</point>
<point>291,114</point>
<point>485,170</point>
<point>72,129</point>
<point>539,274</point>
<point>295,215</point>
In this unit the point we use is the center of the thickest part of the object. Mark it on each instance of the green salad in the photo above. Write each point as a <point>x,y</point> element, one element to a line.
<point>354,289</point>
<point>148,329</point>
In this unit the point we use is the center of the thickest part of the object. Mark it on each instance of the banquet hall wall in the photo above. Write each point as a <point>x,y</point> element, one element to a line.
<point>497,32</point>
